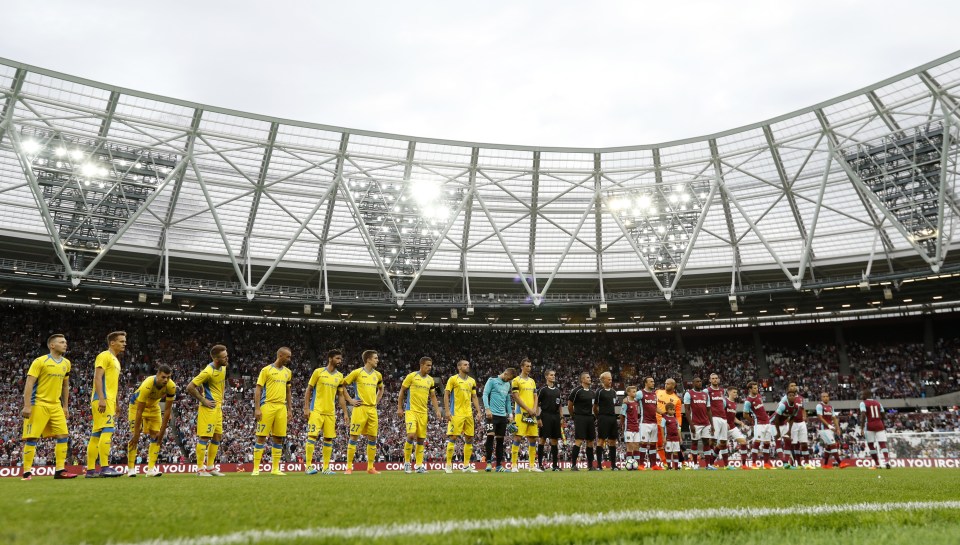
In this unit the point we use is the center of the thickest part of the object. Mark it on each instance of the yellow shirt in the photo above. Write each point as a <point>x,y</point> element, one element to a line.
<point>274,383</point>
<point>366,385</point>
<point>150,395</point>
<point>325,386</point>
<point>418,391</point>
<point>111,375</point>
<point>212,380</point>
<point>461,391</point>
<point>526,389</point>
<point>50,374</point>
<point>663,398</point>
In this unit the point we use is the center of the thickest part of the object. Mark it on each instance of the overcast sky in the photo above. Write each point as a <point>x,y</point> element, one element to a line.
<point>551,73</point>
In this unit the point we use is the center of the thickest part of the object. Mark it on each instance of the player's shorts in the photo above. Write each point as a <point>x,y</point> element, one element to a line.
<point>364,421</point>
<point>149,420</point>
<point>584,427</point>
<point>45,420</point>
<point>209,421</point>
<point>648,433</point>
<point>701,432</point>
<point>608,427</point>
<point>106,419</point>
<point>631,436</point>
<point>671,446</point>
<point>416,423</point>
<point>526,429</point>
<point>798,434</point>
<point>827,437</point>
<point>551,426</point>
<point>872,437</point>
<point>273,420</point>
<point>497,425</point>
<point>720,428</point>
<point>461,425</point>
<point>735,434</point>
<point>322,425</point>
<point>763,433</point>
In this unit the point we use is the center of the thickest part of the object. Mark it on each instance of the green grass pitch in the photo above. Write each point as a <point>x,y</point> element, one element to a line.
<point>195,510</point>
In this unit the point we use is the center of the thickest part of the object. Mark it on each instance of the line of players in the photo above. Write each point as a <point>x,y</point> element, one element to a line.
<point>649,420</point>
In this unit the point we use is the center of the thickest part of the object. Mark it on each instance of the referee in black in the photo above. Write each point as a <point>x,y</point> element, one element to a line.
<point>549,420</point>
<point>608,427</point>
<point>580,405</point>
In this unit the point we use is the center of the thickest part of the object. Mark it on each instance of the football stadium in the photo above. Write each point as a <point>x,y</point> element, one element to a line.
<point>225,327</point>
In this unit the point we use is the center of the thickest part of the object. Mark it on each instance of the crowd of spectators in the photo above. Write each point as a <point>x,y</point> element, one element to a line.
<point>892,370</point>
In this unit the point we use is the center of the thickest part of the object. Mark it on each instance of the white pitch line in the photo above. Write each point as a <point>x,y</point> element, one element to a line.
<point>249,537</point>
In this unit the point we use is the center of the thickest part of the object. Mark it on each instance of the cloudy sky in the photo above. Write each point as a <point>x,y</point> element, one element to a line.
<point>552,73</point>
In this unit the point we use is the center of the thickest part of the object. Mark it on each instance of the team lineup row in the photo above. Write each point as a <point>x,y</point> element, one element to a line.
<point>648,419</point>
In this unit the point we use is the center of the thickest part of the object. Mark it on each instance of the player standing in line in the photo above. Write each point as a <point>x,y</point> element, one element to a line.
<point>412,407</point>
<point>785,445</point>
<point>630,422</point>
<point>364,420</point>
<point>212,379</point>
<point>272,398</point>
<point>549,422</point>
<point>700,418</point>
<point>667,395</point>
<point>670,426</point>
<point>786,411</point>
<point>734,435</point>
<point>799,435</point>
<point>524,395</point>
<point>648,424</point>
<point>325,386</point>
<point>496,403</point>
<point>829,430</point>
<point>460,392</point>
<point>144,414</point>
<point>580,405</point>
<point>873,429</point>
<point>103,405</point>
<point>718,408</point>
<point>762,433</point>
<point>607,429</point>
<point>46,399</point>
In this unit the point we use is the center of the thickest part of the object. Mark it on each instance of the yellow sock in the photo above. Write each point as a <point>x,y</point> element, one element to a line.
<point>106,438</point>
<point>467,453</point>
<point>153,452</point>
<point>351,452</point>
<point>532,455</point>
<point>60,453</point>
<point>407,450</point>
<point>327,454</point>
<point>29,450</point>
<point>371,453</point>
<point>201,454</point>
<point>257,456</point>
<point>93,452</point>
<point>451,446</point>
<point>515,455</point>
<point>308,457</point>
<point>276,454</point>
<point>419,454</point>
<point>212,450</point>
<point>131,456</point>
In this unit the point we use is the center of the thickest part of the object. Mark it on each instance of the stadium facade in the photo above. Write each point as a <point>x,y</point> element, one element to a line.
<point>115,197</point>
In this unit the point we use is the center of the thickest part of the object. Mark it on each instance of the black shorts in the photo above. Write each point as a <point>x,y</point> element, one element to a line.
<point>607,427</point>
<point>551,426</point>
<point>497,426</point>
<point>584,428</point>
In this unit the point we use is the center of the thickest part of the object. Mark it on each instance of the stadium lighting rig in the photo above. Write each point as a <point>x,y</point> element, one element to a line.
<point>92,187</point>
<point>405,219</point>
<point>661,220</point>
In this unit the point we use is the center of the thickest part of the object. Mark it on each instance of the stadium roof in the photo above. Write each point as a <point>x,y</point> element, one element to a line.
<point>97,178</point>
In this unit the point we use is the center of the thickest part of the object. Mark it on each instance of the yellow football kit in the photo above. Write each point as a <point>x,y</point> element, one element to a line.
<point>526,389</point>
<point>46,417</point>
<point>363,419</point>
<point>150,395</point>
<point>273,400</point>
<point>211,381</point>
<point>415,406</point>
<point>110,384</point>
<point>461,406</point>
<point>323,418</point>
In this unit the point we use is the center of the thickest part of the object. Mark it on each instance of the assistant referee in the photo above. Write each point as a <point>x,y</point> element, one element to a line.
<point>580,405</point>
<point>549,421</point>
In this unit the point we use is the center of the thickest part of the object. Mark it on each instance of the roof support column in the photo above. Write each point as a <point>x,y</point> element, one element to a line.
<point>534,193</point>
